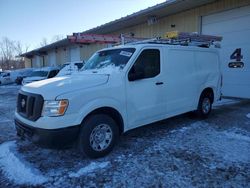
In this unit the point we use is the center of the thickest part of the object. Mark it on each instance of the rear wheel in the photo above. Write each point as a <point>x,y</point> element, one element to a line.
<point>205,105</point>
<point>98,136</point>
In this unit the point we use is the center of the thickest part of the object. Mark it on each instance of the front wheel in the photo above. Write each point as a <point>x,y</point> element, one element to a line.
<point>204,106</point>
<point>98,135</point>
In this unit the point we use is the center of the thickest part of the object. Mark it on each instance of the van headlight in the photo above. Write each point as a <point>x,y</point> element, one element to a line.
<point>55,108</point>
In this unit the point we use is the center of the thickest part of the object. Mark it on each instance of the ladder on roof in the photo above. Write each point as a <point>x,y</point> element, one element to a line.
<point>170,38</point>
<point>83,38</point>
<point>185,39</point>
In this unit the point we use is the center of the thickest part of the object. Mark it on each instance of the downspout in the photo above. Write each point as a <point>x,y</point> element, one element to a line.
<point>31,63</point>
<point>43,61</point>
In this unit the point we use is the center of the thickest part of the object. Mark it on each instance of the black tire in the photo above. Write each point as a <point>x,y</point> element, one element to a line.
<point>0,82</point>
<point>205,105</point>
<point>89,137</point>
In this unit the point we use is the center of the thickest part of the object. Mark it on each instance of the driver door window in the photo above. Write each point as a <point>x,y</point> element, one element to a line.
<point>147,65</point>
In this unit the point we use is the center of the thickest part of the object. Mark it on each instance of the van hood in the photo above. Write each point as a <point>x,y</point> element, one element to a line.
<point>51,88</point>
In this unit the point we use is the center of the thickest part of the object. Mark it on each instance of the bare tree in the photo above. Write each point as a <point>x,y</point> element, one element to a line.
<point>20,48</point>
<point>7,49</point>
<point>44,42</point>
<point>9,52</point>
<point>56,38</point>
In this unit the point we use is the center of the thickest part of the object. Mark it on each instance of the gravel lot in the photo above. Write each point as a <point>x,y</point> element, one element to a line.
<point>179,152</point>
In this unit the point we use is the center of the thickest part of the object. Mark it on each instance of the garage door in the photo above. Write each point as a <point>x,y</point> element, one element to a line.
<point>52,59</point>
<point>37,62</point>
<point>74,54</point>
<point>234,26</point>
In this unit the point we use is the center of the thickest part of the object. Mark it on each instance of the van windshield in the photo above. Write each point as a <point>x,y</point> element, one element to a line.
<point>109,58</point>
<point>64,65</point>
<point>39,73</point>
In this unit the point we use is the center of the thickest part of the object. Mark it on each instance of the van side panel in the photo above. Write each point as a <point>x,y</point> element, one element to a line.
<point>181,82</point>
<point>208,71</point>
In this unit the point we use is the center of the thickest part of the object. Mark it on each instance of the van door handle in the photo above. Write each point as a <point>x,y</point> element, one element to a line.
<point>158,83</point>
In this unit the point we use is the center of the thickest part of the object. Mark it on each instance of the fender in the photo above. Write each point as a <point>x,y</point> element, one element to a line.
<point>99,103</point>
<point>213,82</point>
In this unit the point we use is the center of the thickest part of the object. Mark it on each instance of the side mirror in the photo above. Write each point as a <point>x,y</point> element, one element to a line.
<point>135,76</point>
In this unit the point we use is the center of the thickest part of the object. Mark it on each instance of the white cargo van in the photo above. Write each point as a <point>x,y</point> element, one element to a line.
<point>119,89</point>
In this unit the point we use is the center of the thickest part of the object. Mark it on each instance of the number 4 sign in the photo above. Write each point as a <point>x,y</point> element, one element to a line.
<point>237,55</point>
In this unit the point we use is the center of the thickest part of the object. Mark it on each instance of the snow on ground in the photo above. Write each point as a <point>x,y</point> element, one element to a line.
<point>9,86</point>
<point>20,172</point>
<point>8,95</point>
<point>248,115</point>
<point>89,169</point>
<point>179,152</point>
<point>223,102</point>
<point>4,120</point>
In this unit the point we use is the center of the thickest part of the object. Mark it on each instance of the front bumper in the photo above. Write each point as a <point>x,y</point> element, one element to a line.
<point>48,138</point>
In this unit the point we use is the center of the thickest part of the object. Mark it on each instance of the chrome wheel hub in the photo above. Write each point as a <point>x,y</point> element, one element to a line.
<point>101,137</point>
<point>206,105</point>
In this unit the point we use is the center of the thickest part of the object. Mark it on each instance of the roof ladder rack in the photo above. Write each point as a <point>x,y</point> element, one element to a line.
<point>184,39</point>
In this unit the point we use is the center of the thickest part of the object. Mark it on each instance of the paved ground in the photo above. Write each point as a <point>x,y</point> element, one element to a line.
<point>179,152</point>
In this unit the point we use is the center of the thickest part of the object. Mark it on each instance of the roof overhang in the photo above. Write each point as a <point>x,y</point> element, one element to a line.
<point>158,11</point>
<point>43,50</point>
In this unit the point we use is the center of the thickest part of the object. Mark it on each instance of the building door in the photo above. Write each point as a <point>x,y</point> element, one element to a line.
<point>52,59</point>
<point>234,26</point>
<point>37,62</point>
<point>75,54</point>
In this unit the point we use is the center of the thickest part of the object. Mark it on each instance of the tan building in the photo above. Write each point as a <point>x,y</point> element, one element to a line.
<point>202,16</point>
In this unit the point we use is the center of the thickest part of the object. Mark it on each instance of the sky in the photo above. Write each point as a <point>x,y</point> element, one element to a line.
<point>29,21</point>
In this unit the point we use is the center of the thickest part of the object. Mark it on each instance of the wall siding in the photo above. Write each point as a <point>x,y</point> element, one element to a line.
<point>61,56</point>
<point>86,51</point>
<point>27,62</point>
<point>188,21</point>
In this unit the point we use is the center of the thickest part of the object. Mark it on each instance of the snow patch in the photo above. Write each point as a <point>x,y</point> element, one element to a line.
<point>4,119</point>
<point>190,127</point>
<point>248,115</point>
<point>11,86</point>
<point>88,169</point>
<point>240,137</point>
<point>225,102</point>
<point>232,145</point>
<point>20,172</point>
<point>110,69</point>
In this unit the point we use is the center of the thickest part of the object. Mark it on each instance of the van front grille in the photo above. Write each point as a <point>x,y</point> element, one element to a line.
<point>29,105</point>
